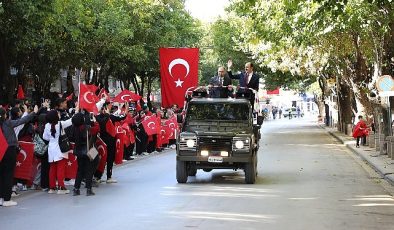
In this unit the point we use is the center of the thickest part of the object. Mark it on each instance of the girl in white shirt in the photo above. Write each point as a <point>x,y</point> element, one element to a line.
<point>57,160</point>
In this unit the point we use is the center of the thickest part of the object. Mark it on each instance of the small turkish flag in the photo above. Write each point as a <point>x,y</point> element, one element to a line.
<point>24,160</point>
<point>70,97</point>
<point>173,128</point>
<point>71,165</point>
<point>104,93</point>
<point>275,91</point>
<point>20,95</point>
<point>3,144</point>
<point>164,135</point>
<point>102,150</point>
<point>178,72</point>
<point>119,148</point>
<point>150,124</point>
<point>87,99</point>
<point>110,128</point>
<point>126,96</point>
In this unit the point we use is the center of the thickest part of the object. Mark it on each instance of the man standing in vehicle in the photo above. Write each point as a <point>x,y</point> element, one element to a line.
<point>247,79</point>
<point>217,82</point>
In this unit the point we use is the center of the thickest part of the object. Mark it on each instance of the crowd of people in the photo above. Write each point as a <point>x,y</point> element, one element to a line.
<point>50,124</point>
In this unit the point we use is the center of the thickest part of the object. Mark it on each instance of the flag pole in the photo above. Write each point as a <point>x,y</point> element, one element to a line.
<point>79,84</point>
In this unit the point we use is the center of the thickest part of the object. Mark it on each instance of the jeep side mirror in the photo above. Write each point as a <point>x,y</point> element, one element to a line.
<point>260,120</point>
<point>179,118</point>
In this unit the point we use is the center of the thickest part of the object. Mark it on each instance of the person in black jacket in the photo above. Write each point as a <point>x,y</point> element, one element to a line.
<point>7,164</point>
<point>218,84</point>
<point>247,79</point>
<point>105,119</point>
<point>81,125</point>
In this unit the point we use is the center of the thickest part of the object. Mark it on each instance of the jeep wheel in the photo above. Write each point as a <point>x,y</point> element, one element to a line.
<point>250,172</point>
<point>181,171</point>
<point>207,170</point>
<point>192,170</point>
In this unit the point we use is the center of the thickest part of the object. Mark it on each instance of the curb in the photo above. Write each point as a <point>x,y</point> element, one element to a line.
<point>379,166</point>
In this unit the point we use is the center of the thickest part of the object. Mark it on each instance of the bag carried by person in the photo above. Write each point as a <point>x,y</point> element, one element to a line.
<point>92,151</point>
<point>40,148</point>
<point>64,143</point>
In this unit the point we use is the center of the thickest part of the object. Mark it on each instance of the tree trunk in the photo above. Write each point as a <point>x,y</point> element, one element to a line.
<point>345,106</point>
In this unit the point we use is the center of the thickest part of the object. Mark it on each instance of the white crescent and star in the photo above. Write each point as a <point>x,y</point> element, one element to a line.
<point>178,83</point>
<point>123,97</point>
<point>150,124</point>
<point>179,61</point>
<point>171,125</point>
<point>85,97</point>
<point>24,154</point>
<point>18,164</point>
<point>69,163</point>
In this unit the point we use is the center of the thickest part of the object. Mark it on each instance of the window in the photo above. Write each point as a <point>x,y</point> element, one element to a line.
<point>225,111</point>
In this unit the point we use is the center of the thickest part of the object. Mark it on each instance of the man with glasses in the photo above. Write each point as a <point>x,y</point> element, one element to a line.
<point>220,85</point>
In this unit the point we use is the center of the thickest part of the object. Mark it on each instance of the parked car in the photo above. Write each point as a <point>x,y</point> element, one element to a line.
<point>293,112</point>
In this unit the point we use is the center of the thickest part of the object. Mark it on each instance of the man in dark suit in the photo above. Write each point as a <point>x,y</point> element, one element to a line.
<point>247,79</point>
<point>217,83</point>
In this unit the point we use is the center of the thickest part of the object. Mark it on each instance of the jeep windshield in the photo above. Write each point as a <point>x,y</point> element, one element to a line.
<point>218,111</point>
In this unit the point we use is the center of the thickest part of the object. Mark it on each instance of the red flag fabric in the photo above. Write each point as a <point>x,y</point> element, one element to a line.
<point>103,93</point>
<point>119,148</point>
<point>275,91</point>
<point>87,99</point>
<point>92,88</point>
<point>164,135</point>
<point>179,71</point>
<point>102,149</point>
<point>172,127</point>
<point>20,95</point>
<point>110,128</point>
<point>3,144</point>
<point>70,97</point>
<point>71,165</point>
<point>24,160</point>
<point>150,124</point>
<point>138,107</point>
<point>126,96</point>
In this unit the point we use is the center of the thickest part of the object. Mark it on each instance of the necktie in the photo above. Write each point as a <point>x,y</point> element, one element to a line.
<point>221,81</point>
<point>246,79</point>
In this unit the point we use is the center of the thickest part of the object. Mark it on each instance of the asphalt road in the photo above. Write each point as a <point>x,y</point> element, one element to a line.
<point>307,180</point>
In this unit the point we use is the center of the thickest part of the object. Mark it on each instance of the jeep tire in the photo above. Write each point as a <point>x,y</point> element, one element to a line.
<point>192,169</point>
<point>181,171</point>
<point>250,171</point>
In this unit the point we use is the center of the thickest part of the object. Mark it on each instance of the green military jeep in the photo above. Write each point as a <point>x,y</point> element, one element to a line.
<point>218,133</point>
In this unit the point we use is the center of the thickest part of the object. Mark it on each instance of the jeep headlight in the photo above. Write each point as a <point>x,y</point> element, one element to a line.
<point>187,141</point>
<point>190,143</point>
<point>241,144</point>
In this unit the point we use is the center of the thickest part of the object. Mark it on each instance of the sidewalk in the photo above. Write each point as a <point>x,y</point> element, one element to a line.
<point>380,163</point>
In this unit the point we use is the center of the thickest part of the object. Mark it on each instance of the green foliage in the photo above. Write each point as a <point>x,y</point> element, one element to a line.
<point>122,36</point>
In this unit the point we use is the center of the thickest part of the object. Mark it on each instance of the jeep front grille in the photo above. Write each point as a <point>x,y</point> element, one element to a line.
<point>215,144</point>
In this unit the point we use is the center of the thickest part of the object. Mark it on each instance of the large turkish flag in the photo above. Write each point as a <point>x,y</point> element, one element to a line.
<point>179,71</point>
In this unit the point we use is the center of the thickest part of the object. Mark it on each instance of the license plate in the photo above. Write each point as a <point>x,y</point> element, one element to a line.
<point>213,159</point>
